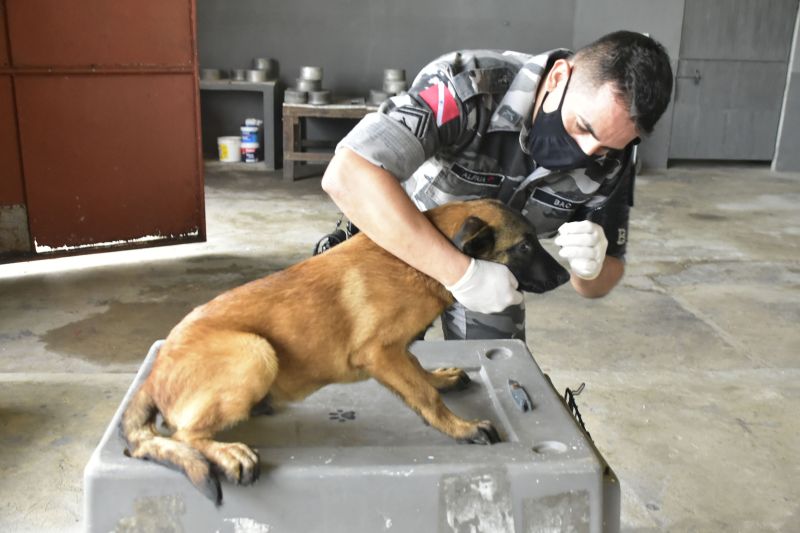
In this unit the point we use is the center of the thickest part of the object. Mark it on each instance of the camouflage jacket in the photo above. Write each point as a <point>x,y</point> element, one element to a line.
<point>460,133</point>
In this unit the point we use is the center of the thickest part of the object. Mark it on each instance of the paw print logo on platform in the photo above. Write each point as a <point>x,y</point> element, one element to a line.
<point>342,416</point>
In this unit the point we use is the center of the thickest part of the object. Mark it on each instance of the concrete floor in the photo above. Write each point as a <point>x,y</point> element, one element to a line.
<point>691,365</point>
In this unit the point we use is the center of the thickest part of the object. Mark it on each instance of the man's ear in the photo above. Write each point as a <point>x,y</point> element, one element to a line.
<point>475,238</point>
<point>559,72</point>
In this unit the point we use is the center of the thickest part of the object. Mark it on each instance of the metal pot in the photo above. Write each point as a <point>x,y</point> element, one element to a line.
<point>256,76</point>
<point>377,97</point>
<point>394,86</point>
<point>394,74</point>
<point>292,96</point>
<point>266,64</point>
<point>210,74</point>
<point>319,97</point>
<point>311,73</point>
<point>261,63</point>
<point>308,85</point>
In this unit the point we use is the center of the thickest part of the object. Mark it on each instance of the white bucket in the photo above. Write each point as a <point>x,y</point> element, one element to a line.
<point>230,149</point>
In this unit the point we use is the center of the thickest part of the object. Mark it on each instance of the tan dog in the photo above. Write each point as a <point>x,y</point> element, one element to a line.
<point>343,316</point>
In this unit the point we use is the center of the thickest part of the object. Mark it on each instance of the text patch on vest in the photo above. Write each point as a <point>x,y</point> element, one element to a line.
<point>479,178</point>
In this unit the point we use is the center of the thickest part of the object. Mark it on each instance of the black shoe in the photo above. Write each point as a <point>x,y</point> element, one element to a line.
<point>339,235</point>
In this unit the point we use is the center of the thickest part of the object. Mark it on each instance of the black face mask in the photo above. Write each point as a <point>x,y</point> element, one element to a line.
<point>550,145</point>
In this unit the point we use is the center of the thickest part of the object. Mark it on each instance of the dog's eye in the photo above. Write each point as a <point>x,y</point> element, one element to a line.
<point>524,247</point>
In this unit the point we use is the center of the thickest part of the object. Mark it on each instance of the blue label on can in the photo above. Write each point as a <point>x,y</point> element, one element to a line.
<point>249,134</point>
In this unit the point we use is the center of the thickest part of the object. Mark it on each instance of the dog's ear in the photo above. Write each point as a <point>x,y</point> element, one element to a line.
<point>475,237</point>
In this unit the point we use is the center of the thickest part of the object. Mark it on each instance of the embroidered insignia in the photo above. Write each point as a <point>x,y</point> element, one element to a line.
<point>416,120</point>
<point>480,178</point>
<point>442,102</point>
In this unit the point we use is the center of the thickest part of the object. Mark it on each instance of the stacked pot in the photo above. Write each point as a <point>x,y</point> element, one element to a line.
<point>394,83</point>
<point>263,69</point>
<point>308,88</point>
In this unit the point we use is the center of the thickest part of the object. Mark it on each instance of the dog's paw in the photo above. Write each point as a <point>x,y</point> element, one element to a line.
<point>450,379</point>
<point>238,462</point>
<point>484,433</point>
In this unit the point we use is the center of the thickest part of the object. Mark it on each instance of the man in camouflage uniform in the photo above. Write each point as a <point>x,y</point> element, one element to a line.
<point>550,135</point>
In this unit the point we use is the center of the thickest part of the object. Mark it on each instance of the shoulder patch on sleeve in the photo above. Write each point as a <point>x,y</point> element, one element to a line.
<point>413,118</point>
<point>440,98</point>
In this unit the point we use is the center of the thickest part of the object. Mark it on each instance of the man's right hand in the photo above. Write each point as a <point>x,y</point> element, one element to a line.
<point>376,203</point>
<point>486,287</point>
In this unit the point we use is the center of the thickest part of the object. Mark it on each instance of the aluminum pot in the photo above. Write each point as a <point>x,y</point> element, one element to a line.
<point>377,97</point>
<point>292,96</point>
<point>394,86</point>
<point>266,64</point>
<point>319,97</point>
<point>308,85</point>
<point>311,73</point>
<point>394,74</point>
<point>256,76</point>
<point>261,63</point>
<point>210,74</point>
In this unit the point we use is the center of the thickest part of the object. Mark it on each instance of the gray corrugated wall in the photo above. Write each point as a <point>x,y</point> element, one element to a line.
<point>662,20</point>
<point>787,155</point>
<point>354,40</point>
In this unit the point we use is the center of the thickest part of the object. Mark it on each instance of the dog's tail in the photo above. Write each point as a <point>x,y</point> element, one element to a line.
<point>138,430</point>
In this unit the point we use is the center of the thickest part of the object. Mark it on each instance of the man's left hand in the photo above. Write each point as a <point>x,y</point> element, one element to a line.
<point>584,245</point>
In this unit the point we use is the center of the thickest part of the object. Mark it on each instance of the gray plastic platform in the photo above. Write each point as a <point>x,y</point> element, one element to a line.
<point>353,458</point>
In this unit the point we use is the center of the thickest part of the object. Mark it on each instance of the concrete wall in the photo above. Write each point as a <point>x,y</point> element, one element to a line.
<point>787,155</point>
<point>354,40</point>
<point>663,20</point>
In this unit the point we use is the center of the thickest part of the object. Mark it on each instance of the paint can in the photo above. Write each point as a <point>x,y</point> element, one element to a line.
<point>250,152</point>
<point>249,134</point>
<point>230,149</point>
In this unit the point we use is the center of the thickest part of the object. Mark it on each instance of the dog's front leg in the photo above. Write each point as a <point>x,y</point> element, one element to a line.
<point>393,367</point>
<point>444,379</point>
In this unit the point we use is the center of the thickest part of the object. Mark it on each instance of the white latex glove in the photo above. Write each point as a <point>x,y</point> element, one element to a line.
<point>486,287</point>
<point>584,245</point>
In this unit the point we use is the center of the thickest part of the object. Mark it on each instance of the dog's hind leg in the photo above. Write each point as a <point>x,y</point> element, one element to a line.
<point>263,407</point>
<point>249,366</point>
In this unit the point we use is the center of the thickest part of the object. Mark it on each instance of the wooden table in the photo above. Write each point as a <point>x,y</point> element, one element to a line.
<point>294,141</point>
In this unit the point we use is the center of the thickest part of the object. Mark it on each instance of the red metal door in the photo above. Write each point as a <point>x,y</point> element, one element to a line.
<point>107,110</point>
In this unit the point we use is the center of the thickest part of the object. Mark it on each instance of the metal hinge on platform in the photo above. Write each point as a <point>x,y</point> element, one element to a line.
<point>569,399</point>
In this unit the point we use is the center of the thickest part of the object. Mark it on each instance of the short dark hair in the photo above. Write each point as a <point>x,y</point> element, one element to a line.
<point>639,69</point>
